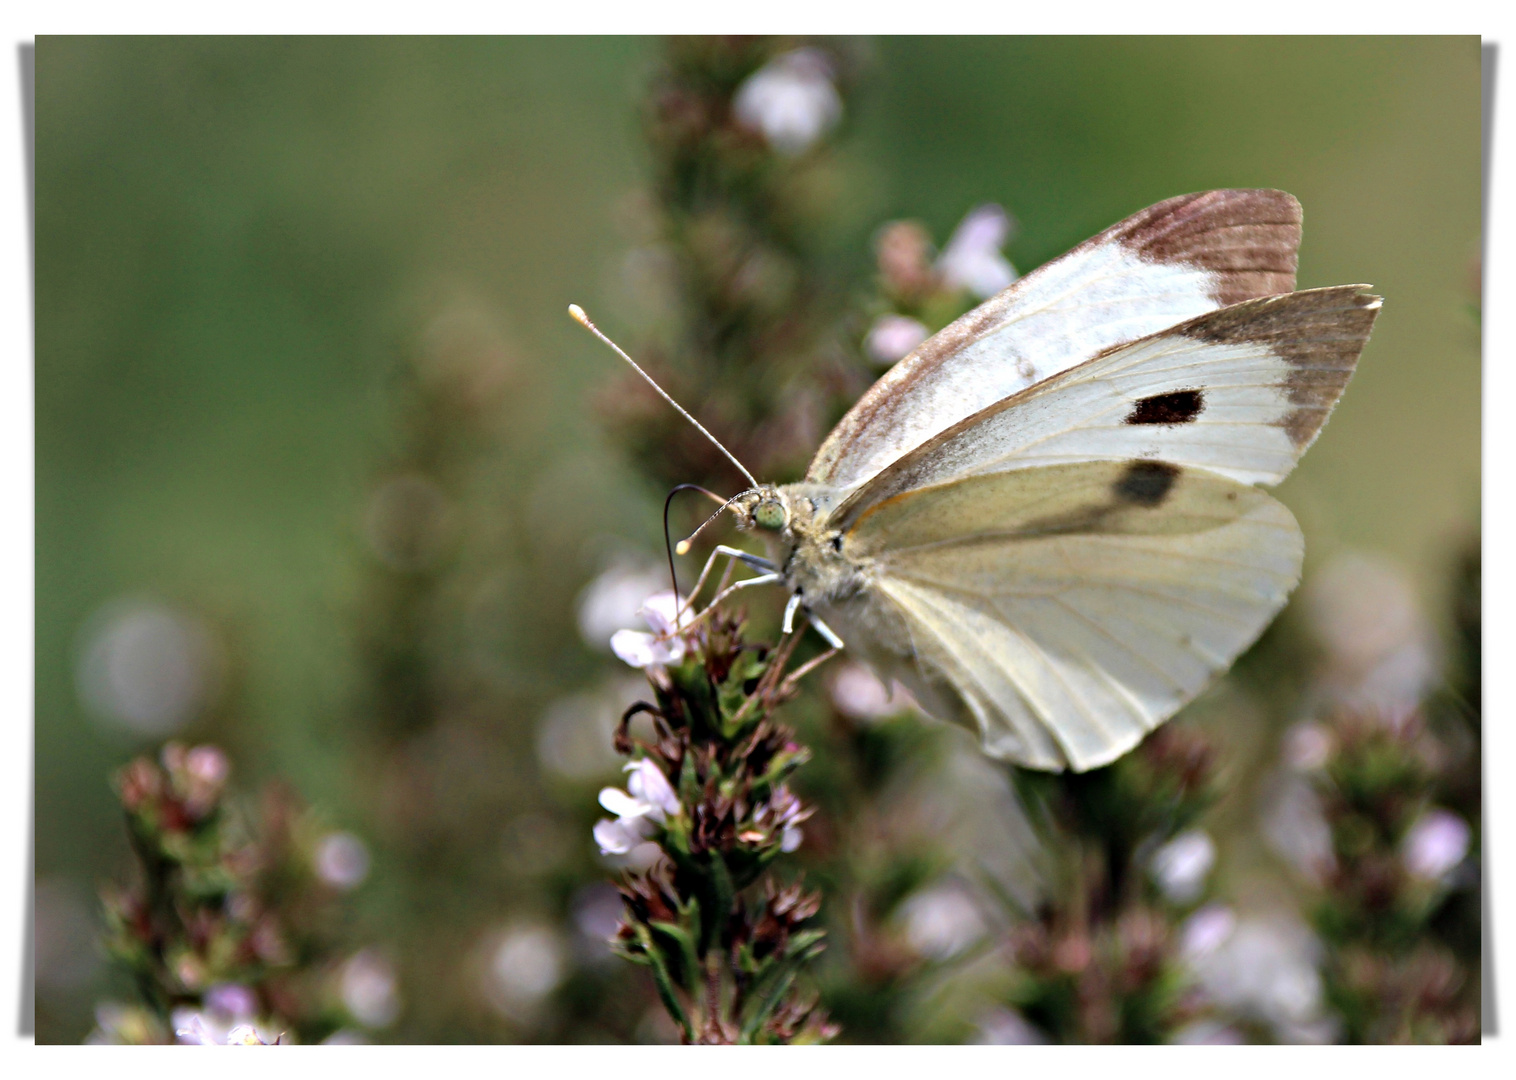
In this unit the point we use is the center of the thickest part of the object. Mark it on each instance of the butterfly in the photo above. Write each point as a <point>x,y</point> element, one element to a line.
<point>1047,521</point>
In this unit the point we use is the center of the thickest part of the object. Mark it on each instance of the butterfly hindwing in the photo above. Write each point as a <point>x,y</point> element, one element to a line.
<point>1173,261</point>
<point>1065,611</point>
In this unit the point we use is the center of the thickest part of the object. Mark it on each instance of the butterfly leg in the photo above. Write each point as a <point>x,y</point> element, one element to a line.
<point>805,669</point>
<point>825,631</point>
<point>789,613</point>
<point>762,579</point>
<point>734,556</point>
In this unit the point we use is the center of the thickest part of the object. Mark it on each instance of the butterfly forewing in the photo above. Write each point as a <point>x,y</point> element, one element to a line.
<point>1240,392</point>
<point>1171,262</point>
<point>1071,609</point>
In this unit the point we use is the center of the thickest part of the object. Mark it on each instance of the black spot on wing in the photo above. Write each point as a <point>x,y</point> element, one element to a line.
<point>1146,483</point>
<point>1176,407</point>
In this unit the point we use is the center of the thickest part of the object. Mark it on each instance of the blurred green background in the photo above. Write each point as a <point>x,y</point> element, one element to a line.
<point>240,241</point>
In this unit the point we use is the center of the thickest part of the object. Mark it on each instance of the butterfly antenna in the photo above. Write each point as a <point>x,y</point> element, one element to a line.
<point>683,547</point>
<point>584,320</point>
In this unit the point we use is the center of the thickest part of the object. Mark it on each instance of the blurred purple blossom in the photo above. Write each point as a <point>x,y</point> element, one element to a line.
<point>1263,969</point>
<point>525,964</point>
<point>1307,747</point>
<point>613,600</point>
<point>858,693</point>
<point>942,921</point>
<point>892,337</point>
<point>972,258</point>
<point>1295,827</point>
<point>1180,867</point>
<point>1380,649</point>
<point>1435,844</point>
<point>791,101</point>
<point>1205,931</point>
<point>370,989</point>
<point>342,860</point>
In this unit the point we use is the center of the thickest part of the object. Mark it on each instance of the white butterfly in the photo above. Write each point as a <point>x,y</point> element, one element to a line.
<point>1045,520</point>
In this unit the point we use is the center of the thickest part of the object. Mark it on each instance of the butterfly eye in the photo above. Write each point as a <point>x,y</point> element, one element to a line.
<point>769,514</point>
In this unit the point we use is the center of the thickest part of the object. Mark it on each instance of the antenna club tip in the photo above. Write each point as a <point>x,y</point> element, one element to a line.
<point>577,314</point>
<point>682,548</point>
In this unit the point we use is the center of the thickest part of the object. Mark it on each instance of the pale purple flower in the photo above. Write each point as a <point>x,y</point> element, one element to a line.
<point>524,964</point>
<point>858,693</point>
<point>1380,649</point>
<point>790,101</point>
<point>342,860</point>
<point>661,612</point>
<point>1180,867</point>
<point>1307,747</point>
<point>1435,844</point>
<point>892,337</point>
<point>370,989</point>
<point>146,666</point>
<point>232,1000</point>
<point>1205,931</point>
<point>972,258</point>
<point>1260,967</point>
<point>786,814</point>
<point>1294,825</point>
<point>208,765</point>
<point>941,921</point>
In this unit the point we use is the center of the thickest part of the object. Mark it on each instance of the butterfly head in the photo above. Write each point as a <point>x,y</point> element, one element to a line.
<point>765,509</point>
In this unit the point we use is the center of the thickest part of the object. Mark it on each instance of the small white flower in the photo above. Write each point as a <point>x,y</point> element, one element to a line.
<point>618,837</point>
<point>790,100</point>
<point>892,337</point>
<point>972,258</point>
<point>661,612</point>
<point>1435,844</point>
<point>648,784</point>
<point>1180,867</point>
<point>649,801</point>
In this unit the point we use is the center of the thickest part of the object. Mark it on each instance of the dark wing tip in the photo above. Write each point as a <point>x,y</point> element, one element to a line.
<point>1248,238</point>
<point>1319,333</point>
